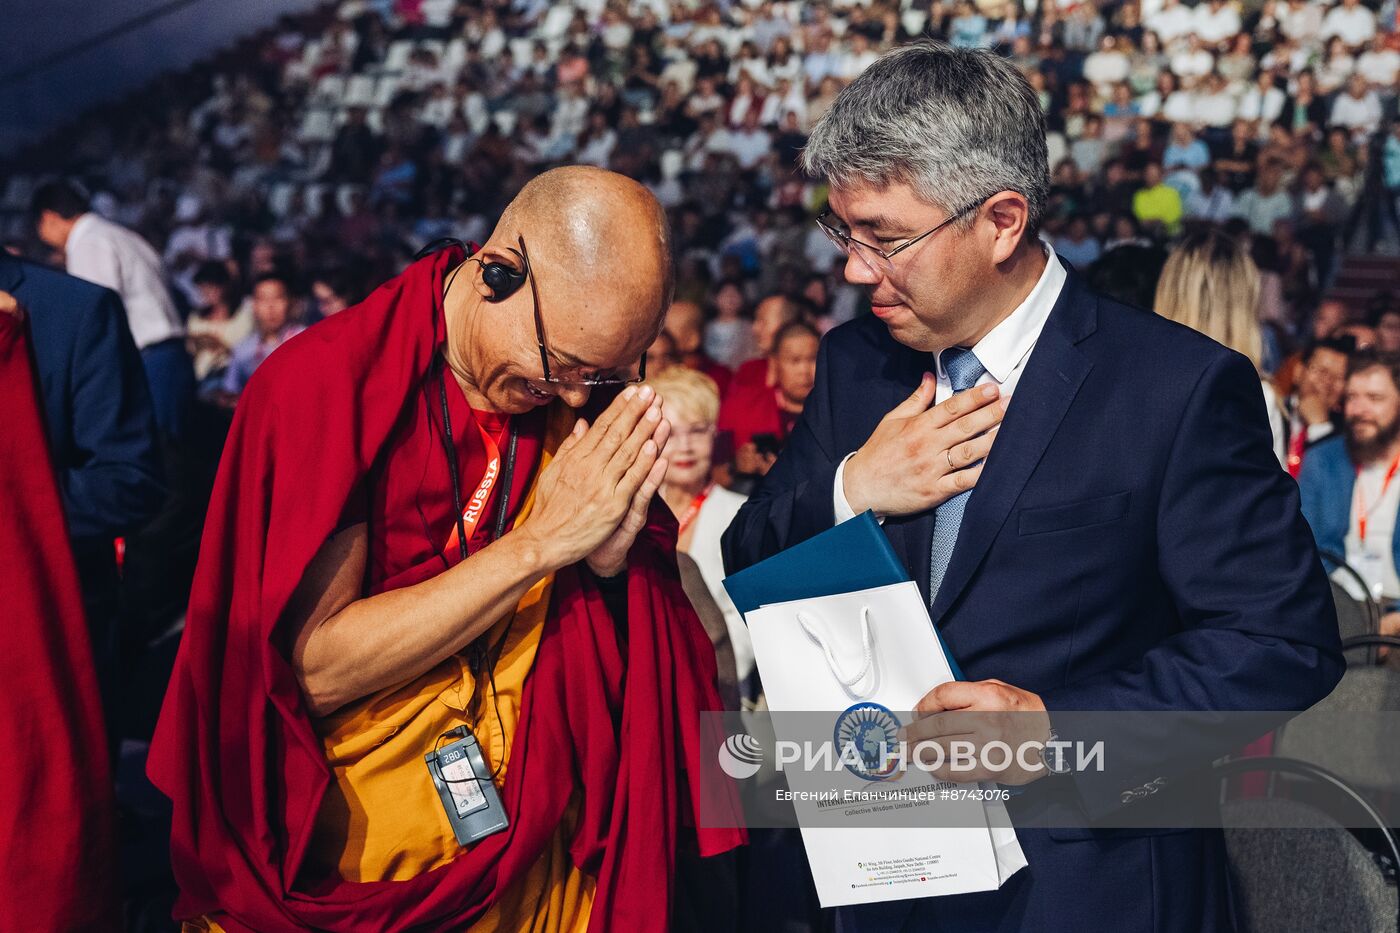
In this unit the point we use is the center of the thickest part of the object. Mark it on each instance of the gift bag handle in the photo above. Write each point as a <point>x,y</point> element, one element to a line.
<point>848,682</point>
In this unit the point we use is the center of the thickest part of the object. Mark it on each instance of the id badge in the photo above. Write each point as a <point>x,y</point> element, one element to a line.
<point>1371,566</point>
<point>464,785</point>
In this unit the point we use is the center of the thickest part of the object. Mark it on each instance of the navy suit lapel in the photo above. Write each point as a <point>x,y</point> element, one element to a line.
<point>1051,380</point>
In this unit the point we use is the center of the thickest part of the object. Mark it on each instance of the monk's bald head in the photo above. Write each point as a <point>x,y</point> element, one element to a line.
<point>598,234</point>
<point>600,280</point>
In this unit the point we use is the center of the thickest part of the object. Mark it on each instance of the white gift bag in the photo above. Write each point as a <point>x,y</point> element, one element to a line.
<point>875,647</point>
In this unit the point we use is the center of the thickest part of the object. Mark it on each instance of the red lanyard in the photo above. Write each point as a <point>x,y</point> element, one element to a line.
<point>694,509</point>
<point>1361,496</point>
<point>476,505</point>
<point>1295,450</point>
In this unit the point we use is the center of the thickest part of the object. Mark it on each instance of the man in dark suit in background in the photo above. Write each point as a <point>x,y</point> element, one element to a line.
<point>101,431</point>
<point>1084,492</point>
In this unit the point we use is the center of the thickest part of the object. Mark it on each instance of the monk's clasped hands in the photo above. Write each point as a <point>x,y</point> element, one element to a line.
<point>593,496</point>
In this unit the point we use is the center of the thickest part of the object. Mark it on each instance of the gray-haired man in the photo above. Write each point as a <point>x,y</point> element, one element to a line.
<point>1085,492</point>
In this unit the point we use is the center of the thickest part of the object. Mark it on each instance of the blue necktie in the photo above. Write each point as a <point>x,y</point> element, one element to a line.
<point>963,370</point>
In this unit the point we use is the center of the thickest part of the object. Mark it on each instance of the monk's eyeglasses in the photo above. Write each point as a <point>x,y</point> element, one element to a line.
<point>581,379</point>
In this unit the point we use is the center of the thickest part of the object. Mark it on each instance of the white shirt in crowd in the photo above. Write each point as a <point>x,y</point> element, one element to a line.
<point>1357,113</point>
<point>1262,105</point>
<point>1374,559</point>
<point>1180,107</point>
<point>1380,67</point>
<point>1105,69</point>
<point>853,63</point>
<point>1216,109</point>
<point>1333,73</point>
<point>1172,23</point>
<point>1301,23</point>
<point>1356,26</point>
<point>111,255</point>
<point>776,106</point>
<point>750,146</point>
<point>1003,353</point>
<point>1195,64</point>
<point>438,13</point>
<point>1215,26</point>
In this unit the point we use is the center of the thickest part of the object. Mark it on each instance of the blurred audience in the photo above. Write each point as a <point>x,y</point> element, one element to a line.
<point>1210,284</point>
<point>274,323</point>
<point>757,418</point>
<point>108,254</point>
<point>1348,488</point>
<point>217,324</point>
<point>1314,408</point>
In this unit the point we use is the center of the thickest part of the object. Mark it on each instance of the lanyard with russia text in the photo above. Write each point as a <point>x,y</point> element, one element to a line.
<point>468,515</point>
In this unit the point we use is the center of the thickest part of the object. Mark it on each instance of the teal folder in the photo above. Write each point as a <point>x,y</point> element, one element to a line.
<point>854,555</point>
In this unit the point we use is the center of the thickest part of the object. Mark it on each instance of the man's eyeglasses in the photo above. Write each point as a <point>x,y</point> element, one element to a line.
<point>585,379</point>
<point>873,256</point>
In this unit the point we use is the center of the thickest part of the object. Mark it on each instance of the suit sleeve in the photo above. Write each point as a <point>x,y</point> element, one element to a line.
<point>1258,628</point>
<point>793,502</point>
<point>117,484</point>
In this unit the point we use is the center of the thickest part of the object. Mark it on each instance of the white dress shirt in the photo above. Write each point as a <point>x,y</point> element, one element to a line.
<point>1003,354</point>
<point>111,255</point>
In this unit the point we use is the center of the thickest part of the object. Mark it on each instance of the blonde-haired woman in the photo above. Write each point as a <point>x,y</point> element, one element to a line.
<point>1211,285</point>
<point>702,508</point>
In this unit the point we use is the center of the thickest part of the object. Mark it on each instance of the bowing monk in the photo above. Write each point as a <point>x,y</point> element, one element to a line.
<point>414,538</point>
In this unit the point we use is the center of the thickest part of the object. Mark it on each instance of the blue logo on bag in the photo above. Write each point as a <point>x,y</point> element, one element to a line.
<point>867,741</point>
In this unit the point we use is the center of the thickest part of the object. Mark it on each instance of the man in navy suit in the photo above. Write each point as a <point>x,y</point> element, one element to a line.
<point>101,431</point>
<point>1085,492</point>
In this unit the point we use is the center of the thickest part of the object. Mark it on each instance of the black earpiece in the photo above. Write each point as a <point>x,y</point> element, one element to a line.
<point>501,279</point>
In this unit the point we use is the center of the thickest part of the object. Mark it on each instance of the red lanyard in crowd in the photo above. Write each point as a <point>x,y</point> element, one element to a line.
<point>1295,450</point>
<point>1361,496</point>
<point>694,509</point>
